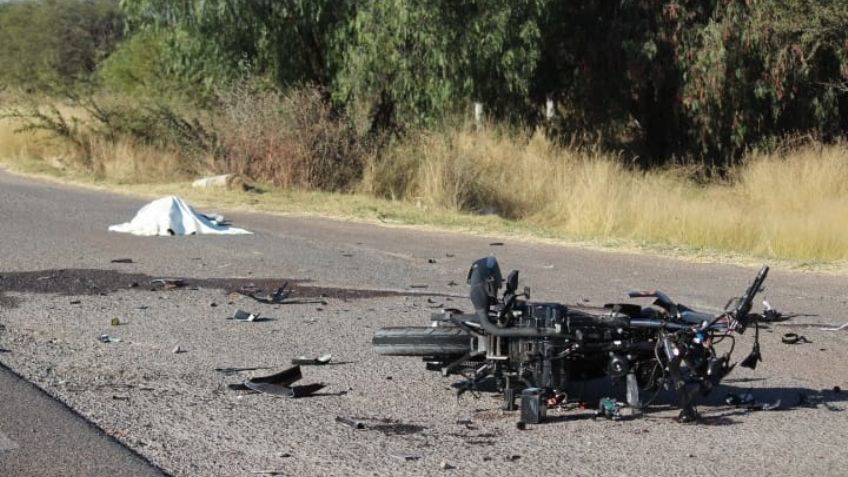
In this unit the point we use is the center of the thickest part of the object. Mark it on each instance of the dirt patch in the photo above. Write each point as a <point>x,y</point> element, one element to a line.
<point>74,282</point>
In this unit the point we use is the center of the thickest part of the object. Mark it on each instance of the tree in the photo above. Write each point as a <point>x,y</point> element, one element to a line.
<point>47,44</point>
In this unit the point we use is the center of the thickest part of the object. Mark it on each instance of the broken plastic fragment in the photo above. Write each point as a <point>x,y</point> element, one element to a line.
<point>303,360</point>
<point>279,384</point>
<point>104,338</point>
<point>241,315</point>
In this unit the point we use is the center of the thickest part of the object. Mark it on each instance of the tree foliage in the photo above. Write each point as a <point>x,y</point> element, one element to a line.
<point>48,44</point>
<point>661,78</point>
<point>213,41</point>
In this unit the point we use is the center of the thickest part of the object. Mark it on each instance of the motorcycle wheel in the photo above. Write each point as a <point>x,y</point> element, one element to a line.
<point>421,341</point>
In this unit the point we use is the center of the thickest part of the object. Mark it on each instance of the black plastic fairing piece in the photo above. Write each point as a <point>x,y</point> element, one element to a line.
<point>279,384</point>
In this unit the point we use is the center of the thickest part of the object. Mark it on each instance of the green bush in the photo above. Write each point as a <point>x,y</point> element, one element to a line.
<point>49,45</point>
<point>138,68</point>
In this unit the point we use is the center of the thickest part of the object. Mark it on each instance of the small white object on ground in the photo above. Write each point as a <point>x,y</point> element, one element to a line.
<point>172,216</point>
<point>838,328</point>
<point>213,181</point>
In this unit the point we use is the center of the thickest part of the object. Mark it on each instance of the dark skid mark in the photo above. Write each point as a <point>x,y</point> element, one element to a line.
<point>391,427</point>
<point>94,282</point>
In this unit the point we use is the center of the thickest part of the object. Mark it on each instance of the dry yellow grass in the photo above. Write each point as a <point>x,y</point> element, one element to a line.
<point>788,206</point>
<point>124,161</point>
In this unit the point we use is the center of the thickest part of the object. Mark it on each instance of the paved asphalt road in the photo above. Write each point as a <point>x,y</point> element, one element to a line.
<point>40,436</point>
<point>48,227</point>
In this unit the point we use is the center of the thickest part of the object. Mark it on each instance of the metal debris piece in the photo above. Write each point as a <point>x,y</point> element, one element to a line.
<point>177,350</point>
<point>104,338</point>
<point>75,302</point>
<point>116,321</point>
<point>533,406</point>
<point>350,423</point>
<point>122,260</point>
<point>445,466</point>
<point>167,283</point>
<point>241,315</point>
<point>431,260</point>
<point>279,384</point>
<point>415,285</point>
<point>276,299</point>
<point>320,360</point>
<point>496,244</point>
<point>406,457</point>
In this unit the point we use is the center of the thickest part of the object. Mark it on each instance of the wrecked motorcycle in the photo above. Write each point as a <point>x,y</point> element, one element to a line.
<point>537,349</point>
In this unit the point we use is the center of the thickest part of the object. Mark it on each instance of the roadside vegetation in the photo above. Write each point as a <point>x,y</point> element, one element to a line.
<point>683,126</point>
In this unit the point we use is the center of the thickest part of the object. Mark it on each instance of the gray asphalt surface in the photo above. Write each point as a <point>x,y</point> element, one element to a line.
<point>175,409</point>
<point>39,436</point>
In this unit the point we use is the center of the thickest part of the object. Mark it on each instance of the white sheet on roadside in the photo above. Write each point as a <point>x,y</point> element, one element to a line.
<point>172,216</point>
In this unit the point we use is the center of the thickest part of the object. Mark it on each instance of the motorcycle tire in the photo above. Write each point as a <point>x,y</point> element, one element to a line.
<point>421,341</point>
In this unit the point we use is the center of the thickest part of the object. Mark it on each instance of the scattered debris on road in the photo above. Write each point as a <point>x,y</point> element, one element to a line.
<point>353,424</point>
<point>404,457</point>
<point>241,315</point>
<point>320,360</point>
<point>794,338</point>
<point>279,384</point>
<point>122,260</point>
<point>104,338</point>
<point>167,283</point>
<point>277,298</point>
